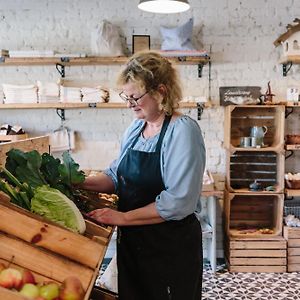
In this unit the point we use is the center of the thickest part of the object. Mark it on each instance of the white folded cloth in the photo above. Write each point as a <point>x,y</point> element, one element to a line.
<point>19,93</point>
<point>70,94</point>
<point>62,140</point>
<point>94,95</point>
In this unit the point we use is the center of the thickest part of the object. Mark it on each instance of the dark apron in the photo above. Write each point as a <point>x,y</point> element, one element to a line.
<point>161,261</point>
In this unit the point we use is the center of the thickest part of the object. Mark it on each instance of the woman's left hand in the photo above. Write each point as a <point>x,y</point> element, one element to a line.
<point>108,216</point>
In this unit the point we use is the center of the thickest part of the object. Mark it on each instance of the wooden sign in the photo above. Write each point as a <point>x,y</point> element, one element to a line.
<point>140,43</point>
<point>239,95</point>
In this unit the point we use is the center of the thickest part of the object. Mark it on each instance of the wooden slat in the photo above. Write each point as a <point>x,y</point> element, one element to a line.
<point>51,237</point>
<point>41,144</point>
<point>6,294</point>
<point>294,243</point>
<point>235,244</point>
<point>42,262</point>
<point>294,259</point>
<point>258,269</point>
<point>254,261</point>
<point>292,193</point>
<point>291,232</point>
<point>258,253</point>
<point>293,267</point>
<point>293,251</point>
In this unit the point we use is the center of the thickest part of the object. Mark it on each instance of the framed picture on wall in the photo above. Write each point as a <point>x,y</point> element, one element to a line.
<point>140,43</point>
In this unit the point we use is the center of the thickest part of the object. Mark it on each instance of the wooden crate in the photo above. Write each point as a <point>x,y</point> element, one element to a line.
<point>243,167</point>
<point>292,236</point>
<point>48,250</point>
<point>240,118</point>
<point>246,214</point>
<point>256,255</point>
<point>41,144</point>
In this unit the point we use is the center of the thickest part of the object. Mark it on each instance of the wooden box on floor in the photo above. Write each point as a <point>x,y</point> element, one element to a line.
<point>256,255</point>
<point>50,251</point>
<point>240,118</point>
<point>292,236</point>
<point>244,167</point>
<point>254,215</point>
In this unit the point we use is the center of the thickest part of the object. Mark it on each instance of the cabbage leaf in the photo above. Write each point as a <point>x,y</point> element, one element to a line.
<point>57,207</point>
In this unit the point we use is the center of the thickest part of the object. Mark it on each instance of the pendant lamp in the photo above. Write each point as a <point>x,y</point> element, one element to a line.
<point>164,6</point>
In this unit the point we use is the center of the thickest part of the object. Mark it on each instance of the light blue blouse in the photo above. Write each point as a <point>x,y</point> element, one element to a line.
<point>182,165</point>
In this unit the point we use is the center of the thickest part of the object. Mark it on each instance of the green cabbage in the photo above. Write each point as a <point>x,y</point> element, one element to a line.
<point>55,206</point>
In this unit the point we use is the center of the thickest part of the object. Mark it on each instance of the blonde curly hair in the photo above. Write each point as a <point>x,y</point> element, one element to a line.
<point>149,70</point>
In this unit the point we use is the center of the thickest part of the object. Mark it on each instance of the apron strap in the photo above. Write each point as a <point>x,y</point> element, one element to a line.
<point>161,135</point>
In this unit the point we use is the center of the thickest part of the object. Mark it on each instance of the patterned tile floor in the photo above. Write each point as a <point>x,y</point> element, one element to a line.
<point>245,286</point>
<point>252,286</point>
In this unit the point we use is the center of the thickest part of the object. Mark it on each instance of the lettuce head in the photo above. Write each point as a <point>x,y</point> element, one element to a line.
<point>57,207</point>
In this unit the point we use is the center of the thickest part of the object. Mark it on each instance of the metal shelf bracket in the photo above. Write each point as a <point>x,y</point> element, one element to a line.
<point>200,68</point>
<point>288,111</point>
<point>60,69</point>
<point>200,108</point>
<point>61,113</point>
<point>286,68</point>
<point>289,155</point>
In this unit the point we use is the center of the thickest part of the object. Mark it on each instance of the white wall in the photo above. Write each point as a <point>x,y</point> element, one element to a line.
<point>239,32</point>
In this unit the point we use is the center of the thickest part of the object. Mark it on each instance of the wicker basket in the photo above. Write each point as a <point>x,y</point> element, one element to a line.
<point>293,139</point>
<point>292,207</point>
<point>292,184</point>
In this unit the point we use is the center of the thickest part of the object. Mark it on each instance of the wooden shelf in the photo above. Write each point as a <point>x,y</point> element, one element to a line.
<point>82,105</point>
<point>292,193</point>
<point>292,147</point>
<point>290,58</point>
<point>91,60</point>
<point>254,149</point>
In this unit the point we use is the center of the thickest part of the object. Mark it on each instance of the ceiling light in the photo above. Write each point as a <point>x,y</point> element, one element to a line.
<point>164,6</point>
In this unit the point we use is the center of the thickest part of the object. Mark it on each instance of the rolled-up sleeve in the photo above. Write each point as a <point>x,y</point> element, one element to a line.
<point>182,164</point>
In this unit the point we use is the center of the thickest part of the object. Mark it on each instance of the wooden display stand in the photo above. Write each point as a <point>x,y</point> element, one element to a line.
<point>240,118</point>
<point>243,167</point>
<point>256,255</point>
<point>292,236</point>
<point>50,251</point>
<point>252,215</point>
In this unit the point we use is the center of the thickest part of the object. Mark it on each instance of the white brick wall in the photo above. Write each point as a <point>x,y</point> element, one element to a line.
<point>240,32</point>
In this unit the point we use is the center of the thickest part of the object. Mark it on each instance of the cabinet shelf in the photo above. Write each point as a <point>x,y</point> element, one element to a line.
<point>82,105</point>
<point>292,193</point>
<point>292,147</point>
<point>91,60</point>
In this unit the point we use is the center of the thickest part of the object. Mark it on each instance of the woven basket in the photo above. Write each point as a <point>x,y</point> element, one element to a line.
<point>292,184</point>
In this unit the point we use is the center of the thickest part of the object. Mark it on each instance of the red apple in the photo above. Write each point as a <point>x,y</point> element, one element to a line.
<point>49,290</point>
<point>27,277</point>
<point>11,278</point>
<point>71,289</point>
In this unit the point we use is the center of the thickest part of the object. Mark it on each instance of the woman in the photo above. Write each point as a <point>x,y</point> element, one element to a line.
<point>158,178</point>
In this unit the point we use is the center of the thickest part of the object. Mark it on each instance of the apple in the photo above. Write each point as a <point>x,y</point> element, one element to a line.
<point>71,289</point>
<point>11,278</point>
<point>30,290</point>
<point>49,290</point>
<point>27,277</point>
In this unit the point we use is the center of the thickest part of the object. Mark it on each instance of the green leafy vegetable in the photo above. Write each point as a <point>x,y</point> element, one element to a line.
<point>55,206</point>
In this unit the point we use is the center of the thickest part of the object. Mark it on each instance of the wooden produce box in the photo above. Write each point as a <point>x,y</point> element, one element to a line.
<point>244,167</point>
<point>240,118</point>
<point>48,250</point>
<point>254,215</point>
<point>256,255</point>
<point>292,236</point>
<point>41,144</point>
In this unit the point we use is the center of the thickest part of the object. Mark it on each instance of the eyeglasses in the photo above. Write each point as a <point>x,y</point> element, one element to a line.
<point>131,100</point>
